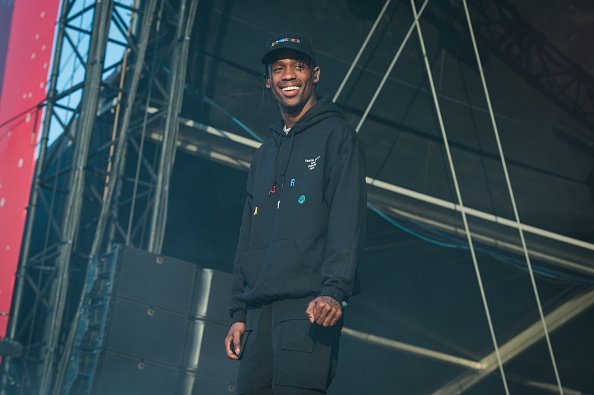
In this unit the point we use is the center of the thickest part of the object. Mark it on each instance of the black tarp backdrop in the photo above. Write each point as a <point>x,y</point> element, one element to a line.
<point>550,170</point>
<point>413,290</point>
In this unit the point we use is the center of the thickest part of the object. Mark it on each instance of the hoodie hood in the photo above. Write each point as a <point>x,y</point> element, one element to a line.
<point>323,109</point>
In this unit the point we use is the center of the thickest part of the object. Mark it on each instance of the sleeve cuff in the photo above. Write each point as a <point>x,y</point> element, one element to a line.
<point>333,293</point>
<point>237,315</point>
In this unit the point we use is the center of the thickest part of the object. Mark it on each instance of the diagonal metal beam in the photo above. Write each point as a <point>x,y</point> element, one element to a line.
<point>412,349</point>
<point>520,343</point>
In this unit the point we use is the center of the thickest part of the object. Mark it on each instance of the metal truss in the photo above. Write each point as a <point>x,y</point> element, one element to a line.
<point>526,51</point>
<point>174,104</point>
<point>95,178</point>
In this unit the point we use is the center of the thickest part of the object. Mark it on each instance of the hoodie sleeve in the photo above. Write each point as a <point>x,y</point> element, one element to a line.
<point>238,304</point>
<point>347,199</point>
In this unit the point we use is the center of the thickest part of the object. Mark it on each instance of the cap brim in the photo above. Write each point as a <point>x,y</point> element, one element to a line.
<point>273,54</point>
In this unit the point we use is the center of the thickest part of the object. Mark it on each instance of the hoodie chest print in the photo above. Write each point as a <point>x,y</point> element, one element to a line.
<point>312,163</point>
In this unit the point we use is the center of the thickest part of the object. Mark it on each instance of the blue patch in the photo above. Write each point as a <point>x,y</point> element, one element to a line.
<point>301,199</point>
<point>292,182</point>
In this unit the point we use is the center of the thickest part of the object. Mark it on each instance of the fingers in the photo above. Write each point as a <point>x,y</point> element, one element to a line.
<point>309,312</point>
<point>237,342</point>
<point>324,311</point>
<point>332,320</point>
<point>234,336</point>
<point>230,354</point>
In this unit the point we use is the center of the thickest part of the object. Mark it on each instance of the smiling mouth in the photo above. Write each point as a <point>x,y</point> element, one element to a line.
<point>290,91</point>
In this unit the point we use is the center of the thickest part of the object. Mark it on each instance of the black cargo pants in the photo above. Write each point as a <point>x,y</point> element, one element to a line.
<point>283,354</point>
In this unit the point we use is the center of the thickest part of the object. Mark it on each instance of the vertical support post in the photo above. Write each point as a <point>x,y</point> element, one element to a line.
<point>106,207</point>
<point>114,178</point>
<point>177,82</point>
<point>72,214</point>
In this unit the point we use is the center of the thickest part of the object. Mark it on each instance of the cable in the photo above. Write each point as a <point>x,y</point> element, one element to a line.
<point>511,195</point>
<point>454,242</point>
<point>29,110</point>
<point>544,272</point>
<point>458,194</point>
<point>363,46</point>
<point>232,118</point>
<point>223,111</point>
<point>392,64</point>
<point>409,231</point>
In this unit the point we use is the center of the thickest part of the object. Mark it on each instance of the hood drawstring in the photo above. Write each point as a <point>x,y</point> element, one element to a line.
<point>277,144</point>
<point>284,172</point>
<point>288,160</point>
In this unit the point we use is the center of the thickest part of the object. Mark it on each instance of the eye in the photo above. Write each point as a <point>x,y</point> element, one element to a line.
<point>276,69</point>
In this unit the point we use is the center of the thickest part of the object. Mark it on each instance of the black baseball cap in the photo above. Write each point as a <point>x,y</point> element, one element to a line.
<point>287,40</point>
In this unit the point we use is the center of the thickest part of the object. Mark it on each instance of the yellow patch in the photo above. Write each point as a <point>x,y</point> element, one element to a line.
<point>256,211</point>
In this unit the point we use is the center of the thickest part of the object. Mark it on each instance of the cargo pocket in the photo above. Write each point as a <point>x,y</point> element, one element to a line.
<point>300,362</point>
<point>247,356</point>
<point>297,335</point>
<point>247,364</point>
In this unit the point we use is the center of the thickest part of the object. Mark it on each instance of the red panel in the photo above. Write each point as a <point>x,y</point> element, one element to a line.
<point>26,68</point>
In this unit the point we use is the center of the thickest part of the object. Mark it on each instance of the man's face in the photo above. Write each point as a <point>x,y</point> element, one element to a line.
<point>292,82</point>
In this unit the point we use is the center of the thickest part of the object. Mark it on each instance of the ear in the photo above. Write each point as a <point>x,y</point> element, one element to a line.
<point>316,75</point>
<point>268,85</point>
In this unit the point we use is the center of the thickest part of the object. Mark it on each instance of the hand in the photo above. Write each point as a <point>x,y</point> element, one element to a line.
<point>234,335</point>
<point>324,310</point>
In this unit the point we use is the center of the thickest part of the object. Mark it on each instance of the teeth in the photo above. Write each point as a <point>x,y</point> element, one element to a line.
<point>290,88</point>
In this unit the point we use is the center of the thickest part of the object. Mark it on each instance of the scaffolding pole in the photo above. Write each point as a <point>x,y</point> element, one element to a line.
<point>177,80</point>
<point>72,214</point>
<point>113,179</point>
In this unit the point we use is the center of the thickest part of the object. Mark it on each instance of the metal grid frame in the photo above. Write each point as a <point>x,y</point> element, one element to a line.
<point>95,126</point>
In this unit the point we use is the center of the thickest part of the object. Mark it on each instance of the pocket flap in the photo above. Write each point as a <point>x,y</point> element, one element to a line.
<point>291,309</point>
<point>297,335</point>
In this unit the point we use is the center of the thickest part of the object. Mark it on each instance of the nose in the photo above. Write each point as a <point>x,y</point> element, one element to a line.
<point>288,74</point>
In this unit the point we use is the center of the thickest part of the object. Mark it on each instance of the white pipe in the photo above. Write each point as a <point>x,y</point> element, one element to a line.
<point>459,197</point>
<point>392,64</point>
<point>513,199</point>
<point>413,194</point>
<point>363,46</point>
<point>424,352</point>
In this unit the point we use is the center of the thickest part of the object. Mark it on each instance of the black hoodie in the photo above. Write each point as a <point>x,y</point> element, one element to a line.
<point>304,214</point>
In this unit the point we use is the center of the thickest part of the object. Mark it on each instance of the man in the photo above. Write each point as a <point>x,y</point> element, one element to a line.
<point>303,221</point>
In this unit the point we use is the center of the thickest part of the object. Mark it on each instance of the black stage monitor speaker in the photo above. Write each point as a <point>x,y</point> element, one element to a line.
<point>164,330</point>
<point>127,375</point>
